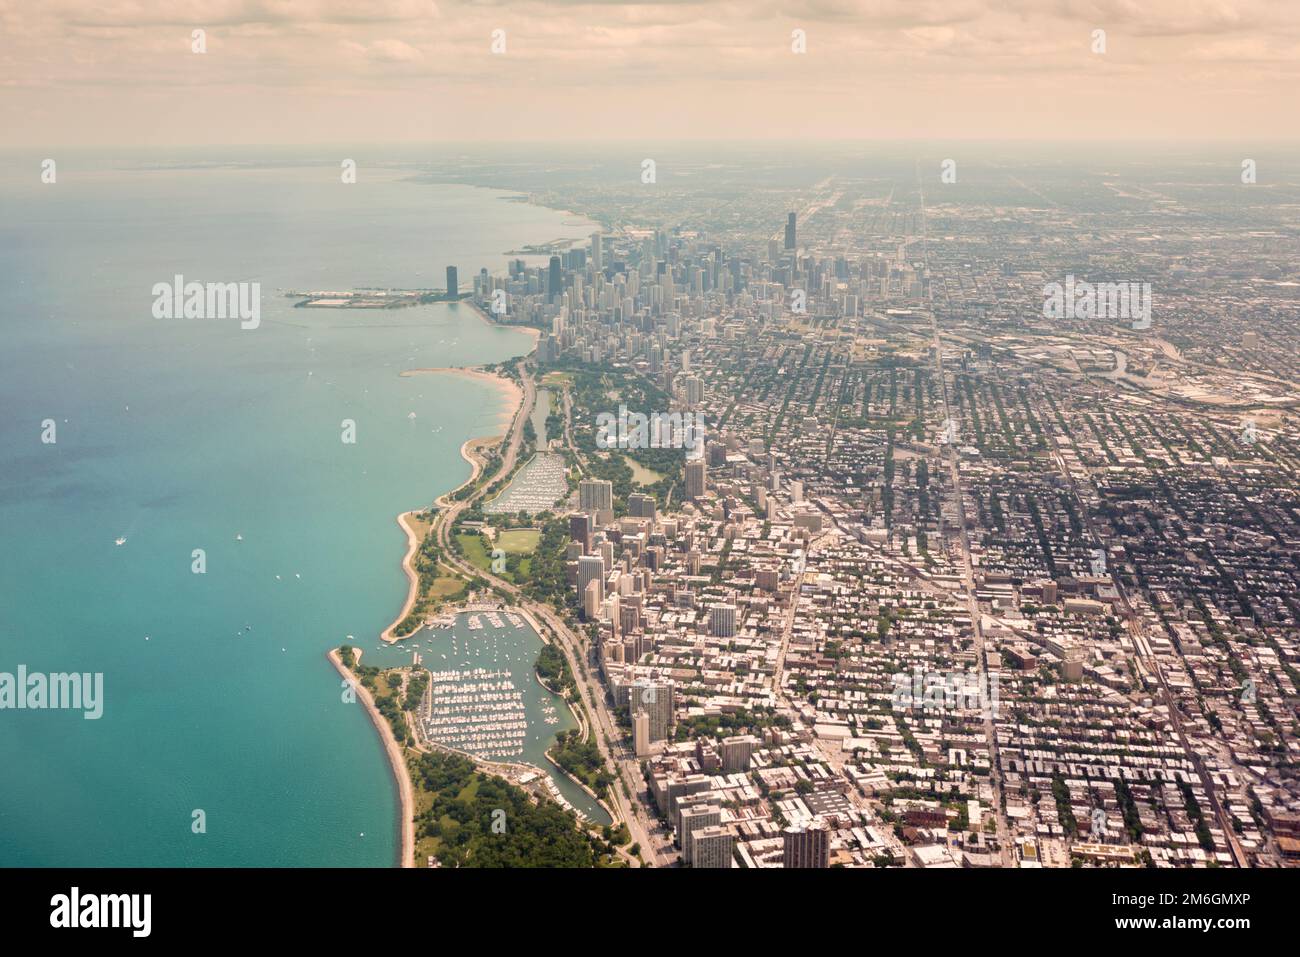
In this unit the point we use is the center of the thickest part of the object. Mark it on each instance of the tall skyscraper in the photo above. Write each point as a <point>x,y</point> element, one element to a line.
<point>693,386</point>
<point>453,286</point>
<point>640,505</point>
<point>554,280</point>
<point>591,569</point>
<point>695,479</point>
<point>597,261</point>
<point>789,233</point>
<point>640,727</point>
<point>581,529</point>
<point>737,751</point>
<point>655,698</point>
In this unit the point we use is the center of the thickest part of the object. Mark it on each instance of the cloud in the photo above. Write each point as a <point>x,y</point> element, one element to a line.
<point>872,67</point>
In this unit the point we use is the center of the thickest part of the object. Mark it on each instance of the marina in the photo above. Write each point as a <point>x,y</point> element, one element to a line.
<point>536,488</point>
<point>484,698</point>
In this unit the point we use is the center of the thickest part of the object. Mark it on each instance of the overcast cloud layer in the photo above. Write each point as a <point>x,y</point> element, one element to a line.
<point>121,72</point>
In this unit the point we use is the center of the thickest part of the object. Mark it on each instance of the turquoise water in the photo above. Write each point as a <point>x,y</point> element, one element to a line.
<point>180,434</point>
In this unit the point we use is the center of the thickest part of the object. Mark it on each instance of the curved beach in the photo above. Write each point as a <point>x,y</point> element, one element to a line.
<point>396,760</point>
<point>514,396</point>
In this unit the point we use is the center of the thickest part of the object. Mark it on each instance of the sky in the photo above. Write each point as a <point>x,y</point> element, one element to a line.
<point>77,73</point>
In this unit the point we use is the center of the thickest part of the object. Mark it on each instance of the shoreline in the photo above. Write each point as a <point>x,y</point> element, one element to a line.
<point>514,396</point>
<point>413,544</point>
<point>396,760</point>
<point>412,579</point>
<point>483,314</point>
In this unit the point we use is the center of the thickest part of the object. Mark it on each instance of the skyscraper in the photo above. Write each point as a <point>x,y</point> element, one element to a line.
<point>554,280</point>
<point>591,569</point>
<point>695,818</point>
<point>597,262</point>
<point>693,386</point>
<point>789,233</point>
<point>640,505</point>
<point>736,752</point>
<point>640,729</point>
<point>695,479</point>
<point>453,287</point>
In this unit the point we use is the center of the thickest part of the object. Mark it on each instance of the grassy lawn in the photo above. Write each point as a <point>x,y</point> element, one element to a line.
<point>472,547</point>
<point>521,541</point>
<point>446,584</point>
<point>557,378</point>
<point>420,525</point>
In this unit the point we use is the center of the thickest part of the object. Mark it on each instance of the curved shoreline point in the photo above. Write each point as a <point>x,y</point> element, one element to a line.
<point>401,775</point>
<point>412,578</point>
<point>467,450</point>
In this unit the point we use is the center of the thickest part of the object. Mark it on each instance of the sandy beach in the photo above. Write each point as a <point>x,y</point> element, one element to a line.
<point>412,579</point>
<point>396,760</point>
<point>469,454</point>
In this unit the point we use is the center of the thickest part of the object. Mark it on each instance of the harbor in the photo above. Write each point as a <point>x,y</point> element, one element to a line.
<point>370,298</point>
<point>536,488</point>
<point>484,698</point>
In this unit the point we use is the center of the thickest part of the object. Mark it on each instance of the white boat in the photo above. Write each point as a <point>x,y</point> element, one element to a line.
<point>239,536</point>
<point>119,541</point>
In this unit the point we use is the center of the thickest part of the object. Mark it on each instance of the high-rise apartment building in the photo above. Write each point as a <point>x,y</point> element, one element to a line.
<point>655,698</point>
<point>554,281</point>
<point>596,495</point>
<point>712,847</point>
<point>722,621</point>
<point>806,845</point>
<point>694,818</point>
<point>696,479</point>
